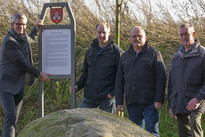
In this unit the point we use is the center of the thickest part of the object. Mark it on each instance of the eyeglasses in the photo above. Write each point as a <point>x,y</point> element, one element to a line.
<point>19,24</point>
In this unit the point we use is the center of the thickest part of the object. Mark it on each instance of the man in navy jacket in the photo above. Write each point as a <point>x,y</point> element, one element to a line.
<point>141,76</point>
<point>99,71</point>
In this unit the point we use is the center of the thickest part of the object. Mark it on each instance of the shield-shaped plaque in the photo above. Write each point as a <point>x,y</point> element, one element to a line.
<point>56,15</point>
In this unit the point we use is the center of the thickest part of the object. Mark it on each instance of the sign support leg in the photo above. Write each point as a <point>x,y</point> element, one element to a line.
<point>41,100</point>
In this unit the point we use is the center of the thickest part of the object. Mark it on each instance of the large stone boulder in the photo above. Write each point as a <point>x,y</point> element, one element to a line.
<point>83,123</point>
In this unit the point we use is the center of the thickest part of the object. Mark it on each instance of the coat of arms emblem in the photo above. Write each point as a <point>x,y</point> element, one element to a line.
<point>56,15</point>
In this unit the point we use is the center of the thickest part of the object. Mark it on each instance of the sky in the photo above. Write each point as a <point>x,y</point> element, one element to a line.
<point>175,7</point>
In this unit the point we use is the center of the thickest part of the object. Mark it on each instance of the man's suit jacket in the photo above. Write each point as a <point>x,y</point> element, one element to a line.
<point>15,61</point>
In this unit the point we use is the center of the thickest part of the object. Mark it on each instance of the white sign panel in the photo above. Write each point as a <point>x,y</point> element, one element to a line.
<point>56,46</point>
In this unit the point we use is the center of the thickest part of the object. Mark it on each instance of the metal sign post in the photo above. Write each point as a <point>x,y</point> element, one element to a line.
<point>57,49</point>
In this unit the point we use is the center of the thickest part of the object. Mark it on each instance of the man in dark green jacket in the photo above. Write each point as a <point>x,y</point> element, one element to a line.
<point>186,88</point>
<point>141,76</point>
<point>15,61</point>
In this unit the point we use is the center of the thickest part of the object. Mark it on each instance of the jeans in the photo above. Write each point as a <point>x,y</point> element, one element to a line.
<point>189,125</point>
<point>12,106</point>
<point>145,114</point>
<point>105,104</point>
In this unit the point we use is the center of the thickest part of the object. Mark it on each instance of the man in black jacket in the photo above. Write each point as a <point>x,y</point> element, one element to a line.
<point>99,71</point>
<point>15,61</point>
<point>141,76</point>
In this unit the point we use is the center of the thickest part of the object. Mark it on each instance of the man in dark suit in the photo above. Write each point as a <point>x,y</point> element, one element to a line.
<point>15,61</point>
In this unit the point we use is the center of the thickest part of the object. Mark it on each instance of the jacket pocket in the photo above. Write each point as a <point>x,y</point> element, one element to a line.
<point>187,97</point>
<point>190,94</point>
<point>126,66</point>
<point>173,101</point>
<point>12,72</point>
<point>127,93</point>
<point>172,95</point>
<point>147,64</point>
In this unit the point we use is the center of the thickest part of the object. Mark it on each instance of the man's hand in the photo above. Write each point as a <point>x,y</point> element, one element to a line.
<point>109,96</point>
<point>157,105</point>
<point>120,107</point>
<point>193,104</point>
<point>38,24</point>
<point>171,114</point>
<point>76,89</point>
<point>44,76</point>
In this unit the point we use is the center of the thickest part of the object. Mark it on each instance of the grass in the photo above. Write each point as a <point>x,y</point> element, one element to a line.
<point>167,126</point>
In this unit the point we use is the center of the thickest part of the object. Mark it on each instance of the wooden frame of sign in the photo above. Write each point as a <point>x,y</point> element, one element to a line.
<point>57,50</point>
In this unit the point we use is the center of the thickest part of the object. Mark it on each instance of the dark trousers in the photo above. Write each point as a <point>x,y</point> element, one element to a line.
<point>105,104</point>
<point>145,115</point>
<point>189,125</point>
<point>12,106</point>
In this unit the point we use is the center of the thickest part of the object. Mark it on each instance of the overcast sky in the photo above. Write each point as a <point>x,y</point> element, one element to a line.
<point>175,7</point>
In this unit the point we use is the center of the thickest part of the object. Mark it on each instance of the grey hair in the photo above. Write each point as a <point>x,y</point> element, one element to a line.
<point>18,16</point>
<point>191,27</point>
<point>138,28</point>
